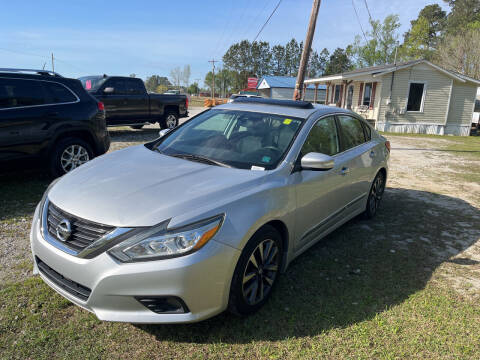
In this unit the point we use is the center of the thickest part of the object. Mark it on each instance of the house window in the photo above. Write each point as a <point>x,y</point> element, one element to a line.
<point>338,91</point>
<point>416,96</point>
<point>367,94</point>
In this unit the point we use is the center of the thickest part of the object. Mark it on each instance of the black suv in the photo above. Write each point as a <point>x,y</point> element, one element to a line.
<point>43,114</point>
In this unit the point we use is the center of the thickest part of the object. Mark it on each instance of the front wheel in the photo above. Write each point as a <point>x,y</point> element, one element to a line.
<point>170,120</point>
<point>375,196</point>
<point>256,272</point>
<point>69,154</point>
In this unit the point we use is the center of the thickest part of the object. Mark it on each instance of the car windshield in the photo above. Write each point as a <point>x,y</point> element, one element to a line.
<point>240,139</point>
<point>92,83</point>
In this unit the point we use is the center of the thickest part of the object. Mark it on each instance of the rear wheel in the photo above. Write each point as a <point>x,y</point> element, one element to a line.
<point>170,120</point>
<point>136,127</point>
<point>256,272</point>
<point>375,196</point>
<point>69,154</point>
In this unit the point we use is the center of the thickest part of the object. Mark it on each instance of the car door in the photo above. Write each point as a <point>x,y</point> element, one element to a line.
<point>116,102</point>
<point>321,195</point>
<point>358,158</point>
<point>23,105</point>
<point>137,100</point>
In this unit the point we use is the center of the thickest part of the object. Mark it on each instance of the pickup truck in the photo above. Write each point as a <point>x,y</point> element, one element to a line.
<point>127,102</point>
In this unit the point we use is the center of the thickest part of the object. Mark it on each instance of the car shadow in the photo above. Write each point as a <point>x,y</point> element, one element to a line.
<point>131,135</point>
<point>358,271</point>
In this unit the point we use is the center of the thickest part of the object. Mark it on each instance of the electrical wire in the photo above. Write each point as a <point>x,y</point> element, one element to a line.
<point>368,10</point>
<point>266,22</point>
<point>359,22</point>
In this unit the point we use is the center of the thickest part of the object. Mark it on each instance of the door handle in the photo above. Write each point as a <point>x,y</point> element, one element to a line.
<point>344,171</point>
<point>372,154</point>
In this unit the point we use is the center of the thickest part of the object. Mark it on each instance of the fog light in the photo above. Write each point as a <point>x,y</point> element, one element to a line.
<point>164,304</point>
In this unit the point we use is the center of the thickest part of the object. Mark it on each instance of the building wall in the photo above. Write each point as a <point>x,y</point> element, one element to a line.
<point>461,108</point>
<point>287,94</point>
<point>394,117</point>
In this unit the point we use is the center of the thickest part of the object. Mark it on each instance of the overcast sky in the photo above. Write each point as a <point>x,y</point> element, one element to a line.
<point>152,36</point>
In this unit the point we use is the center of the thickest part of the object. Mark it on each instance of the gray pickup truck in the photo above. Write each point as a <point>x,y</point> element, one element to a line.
<point>127,102</point>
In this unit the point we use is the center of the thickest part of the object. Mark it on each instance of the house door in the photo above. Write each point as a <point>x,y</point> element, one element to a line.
<point>350,97</point>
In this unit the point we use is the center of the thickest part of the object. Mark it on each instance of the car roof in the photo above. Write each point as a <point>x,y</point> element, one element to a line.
<point>279,109</point>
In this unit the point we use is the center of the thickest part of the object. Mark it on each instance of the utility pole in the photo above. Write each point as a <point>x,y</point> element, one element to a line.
<point>53,64</point>
<point>297,95</point>
<point>213,61</point>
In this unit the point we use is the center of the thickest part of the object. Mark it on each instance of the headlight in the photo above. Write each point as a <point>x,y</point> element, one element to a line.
<point>159,243</point>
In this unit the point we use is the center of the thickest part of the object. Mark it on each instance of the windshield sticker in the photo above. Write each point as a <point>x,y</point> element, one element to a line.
<point>88,84</point>
<point>266,159</point>
<point>287,121</point>
<point>257,168</point>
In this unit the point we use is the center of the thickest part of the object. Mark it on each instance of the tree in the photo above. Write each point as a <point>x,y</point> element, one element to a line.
<point>193,89</point>
<point>317,63</point>
<point>293,53</point>
<point>461,52</point>
<point>381,43</point>
<point>152,82</point>
<point>160,89</point>
<point>186,75</point>
<point>278,60</point>
<point>176,76</point>
<point>463,13</point>
<point>339,62</point>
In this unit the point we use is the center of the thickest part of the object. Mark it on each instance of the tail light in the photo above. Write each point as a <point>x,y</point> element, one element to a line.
<point>101,106</point>
<point>186,103</point>
<point>387,145</point>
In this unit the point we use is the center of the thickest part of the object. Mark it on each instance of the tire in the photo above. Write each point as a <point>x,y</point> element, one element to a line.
<point>170,120</point>
<point>375,195</point>
<point>76,150</point>
<point>248,279</point>
<point>137,127</point>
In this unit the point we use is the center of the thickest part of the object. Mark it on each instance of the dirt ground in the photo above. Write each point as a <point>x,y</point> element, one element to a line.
<point>421,170</point>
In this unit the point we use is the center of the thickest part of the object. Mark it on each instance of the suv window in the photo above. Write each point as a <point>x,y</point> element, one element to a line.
<point>59,93</point>
<point>323,138</point>
<point>135,87</point>
<point>17,93</point>
<point>352,131</point>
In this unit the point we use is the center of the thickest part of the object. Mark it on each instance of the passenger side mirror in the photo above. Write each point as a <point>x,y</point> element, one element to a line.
<point>164,132</point>
<point>317,161</point>
<point>109,90</point>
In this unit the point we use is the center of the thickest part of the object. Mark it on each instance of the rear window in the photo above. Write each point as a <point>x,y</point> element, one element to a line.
<point>59,93</point>
<point>18,93</point>
<point>92,83</point>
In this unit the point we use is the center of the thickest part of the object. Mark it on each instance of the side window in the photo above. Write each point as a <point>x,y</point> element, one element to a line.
<point>352,131</point>
<point>17,93</point>
<point>367,94</point>
<point>58,93</point>
<point>323,138</point>
<point>368,132</point>
<point>135,87</point>
<point>118,85</point>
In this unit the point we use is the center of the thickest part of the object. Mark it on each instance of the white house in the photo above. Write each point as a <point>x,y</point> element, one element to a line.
<point>411,97</point>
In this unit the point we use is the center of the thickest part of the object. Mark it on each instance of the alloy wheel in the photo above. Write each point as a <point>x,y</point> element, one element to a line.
<point>171,121</point>
<point>73,156</point>
<point>260,272</point>
<point>376,193</point>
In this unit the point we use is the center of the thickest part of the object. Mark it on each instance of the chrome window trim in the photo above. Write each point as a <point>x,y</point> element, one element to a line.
<point>104,240</point>
<point>51,104</point>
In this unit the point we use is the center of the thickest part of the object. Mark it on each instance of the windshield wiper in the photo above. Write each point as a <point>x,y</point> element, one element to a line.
<point>201,159</point>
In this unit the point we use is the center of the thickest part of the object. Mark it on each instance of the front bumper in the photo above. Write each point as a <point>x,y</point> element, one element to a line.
<point>201,280</point>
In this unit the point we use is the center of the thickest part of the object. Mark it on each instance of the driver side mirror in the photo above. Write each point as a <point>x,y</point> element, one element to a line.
<point>317,161</point>
<point>109,90</point>
<point>164,132</point>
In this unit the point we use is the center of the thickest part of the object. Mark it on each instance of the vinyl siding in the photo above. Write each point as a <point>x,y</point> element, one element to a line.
<point>436,98</point>
<point>461,105</point>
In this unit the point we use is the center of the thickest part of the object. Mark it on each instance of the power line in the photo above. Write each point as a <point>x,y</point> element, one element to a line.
<point>266,22</point>
<point>368,10</point>
<point>359,22</point>
<point>255,19</point>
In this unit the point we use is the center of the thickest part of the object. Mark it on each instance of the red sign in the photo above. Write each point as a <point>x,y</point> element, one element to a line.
<point>88,84</point>
<point>252,83</point>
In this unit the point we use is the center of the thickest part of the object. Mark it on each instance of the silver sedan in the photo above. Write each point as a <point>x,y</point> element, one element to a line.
<point>208,216</point>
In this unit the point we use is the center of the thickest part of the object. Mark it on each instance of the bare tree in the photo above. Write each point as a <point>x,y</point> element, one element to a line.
<point>186,75</point>
<point>176,76</point>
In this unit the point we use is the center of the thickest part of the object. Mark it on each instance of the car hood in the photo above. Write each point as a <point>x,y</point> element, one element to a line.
<point>139,187</point>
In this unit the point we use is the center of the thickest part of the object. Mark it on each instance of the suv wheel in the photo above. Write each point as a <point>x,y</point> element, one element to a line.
<point>256,272</point>
<point>69,154</point>
<point>170,120</point>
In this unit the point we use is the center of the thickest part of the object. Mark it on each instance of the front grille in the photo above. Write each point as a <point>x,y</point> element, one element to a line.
<point>79,291</point>
<point>84,232</point>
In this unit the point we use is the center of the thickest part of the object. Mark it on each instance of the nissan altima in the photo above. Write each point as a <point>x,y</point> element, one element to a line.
<point>206,217</point>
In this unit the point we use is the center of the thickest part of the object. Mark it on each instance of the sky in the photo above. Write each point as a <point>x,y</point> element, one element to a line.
<point>146,37</point>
